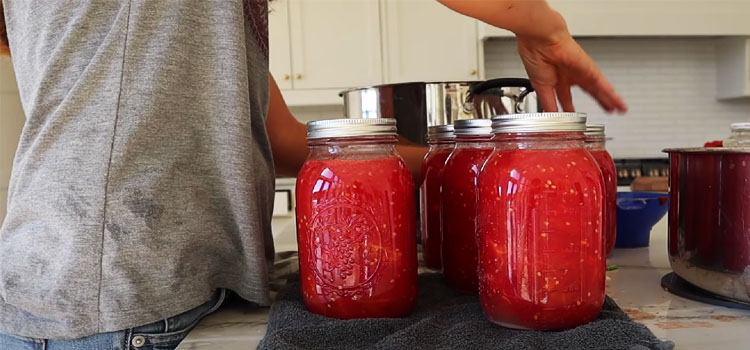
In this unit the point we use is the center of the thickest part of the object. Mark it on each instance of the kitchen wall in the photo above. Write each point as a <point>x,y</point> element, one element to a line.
<point>669,84</point>
<point>11,122</point>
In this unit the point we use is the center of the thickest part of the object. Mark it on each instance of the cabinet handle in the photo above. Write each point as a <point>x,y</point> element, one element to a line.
<point>473,72</point>
<point>299,76</point>
<point>287,77</point>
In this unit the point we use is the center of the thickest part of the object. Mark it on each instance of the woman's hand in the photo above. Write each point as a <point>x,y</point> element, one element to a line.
<point>553,60</point>
<point>555,64</point>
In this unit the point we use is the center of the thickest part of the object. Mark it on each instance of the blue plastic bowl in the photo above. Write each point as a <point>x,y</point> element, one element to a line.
<point>637,213</point>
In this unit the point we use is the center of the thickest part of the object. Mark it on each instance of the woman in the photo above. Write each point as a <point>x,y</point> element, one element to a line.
<point>142,186</point>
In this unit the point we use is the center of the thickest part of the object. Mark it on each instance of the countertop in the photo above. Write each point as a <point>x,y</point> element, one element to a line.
<point>635,285</point>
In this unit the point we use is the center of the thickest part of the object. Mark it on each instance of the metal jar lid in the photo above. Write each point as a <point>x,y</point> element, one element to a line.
<point>594,130</point>
<point>740,126</point>
<point>473,127</point>
<point>331,128</point>
<point>539,122</point>
<point>440,132</point>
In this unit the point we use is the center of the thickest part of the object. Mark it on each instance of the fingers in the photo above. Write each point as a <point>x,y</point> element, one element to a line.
<point>546,96</point>
<point>619,103</point>
<point>615,101</point>
<point>605,94</point>
<point>566,99</point>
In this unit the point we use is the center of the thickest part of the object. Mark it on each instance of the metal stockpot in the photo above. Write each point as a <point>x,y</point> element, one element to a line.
<point>417,106</point>
<point>709,219</point>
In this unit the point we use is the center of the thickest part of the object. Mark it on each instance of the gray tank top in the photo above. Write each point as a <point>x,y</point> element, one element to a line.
<point>143,179</point>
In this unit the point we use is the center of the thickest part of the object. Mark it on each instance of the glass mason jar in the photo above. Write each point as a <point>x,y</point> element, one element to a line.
<point>355,221</point>
<point>441,142</point>
<point>459,202</point>
<point>541,258</point>
<point>740,135</point>
<point>595,143</point>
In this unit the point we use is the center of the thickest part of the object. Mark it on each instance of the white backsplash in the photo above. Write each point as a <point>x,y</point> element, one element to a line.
<point>668,83</point>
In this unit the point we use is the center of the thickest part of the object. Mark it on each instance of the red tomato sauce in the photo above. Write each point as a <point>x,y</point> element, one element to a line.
<point>357,237</point>
<point>735,213</point>
<point>701,196</point>
<point>430,205</point>
<point>541,258</point>
<point>607,166</point>
<point>460,216</point>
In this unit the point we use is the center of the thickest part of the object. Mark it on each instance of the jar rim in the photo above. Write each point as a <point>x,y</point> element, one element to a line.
<point>740,126</point>
<point>440,132</point>
<point>539,122</point>
<point>346,127</point>
<point>594,130</point>
<point>473,127</point>
<point>352,140</point>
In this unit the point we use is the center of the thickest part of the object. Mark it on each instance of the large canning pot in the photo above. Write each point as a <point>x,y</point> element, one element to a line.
<point>709,219</point>
<point>417,106</point>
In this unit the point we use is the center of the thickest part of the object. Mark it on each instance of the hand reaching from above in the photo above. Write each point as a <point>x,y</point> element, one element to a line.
<point>555,65</point>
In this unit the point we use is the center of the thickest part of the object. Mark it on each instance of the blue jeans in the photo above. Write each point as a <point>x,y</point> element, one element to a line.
<point>162,335</point>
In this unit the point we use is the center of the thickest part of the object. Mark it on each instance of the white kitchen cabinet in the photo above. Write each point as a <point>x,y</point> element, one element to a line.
<point>648,17</point>
<point>426,41</point>
<point>335,43</point>
<point>733,67</point>
<point>280,56</point>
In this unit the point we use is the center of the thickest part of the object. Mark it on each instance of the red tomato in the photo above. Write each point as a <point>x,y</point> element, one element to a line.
<point>607,166</point>
<point>429,194</point>
<point>460,216</point>
<point>357,237</point>
<point>541,258</point>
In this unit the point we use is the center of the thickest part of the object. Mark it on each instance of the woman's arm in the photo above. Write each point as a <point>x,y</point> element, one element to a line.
<point>413,155</point>
<point>553,60</point>
<point>287,135</point>
<point>289,139</point>
<point>523,17</point>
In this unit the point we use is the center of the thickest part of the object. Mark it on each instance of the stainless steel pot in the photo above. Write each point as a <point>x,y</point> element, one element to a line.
<point>417,106</point>
<point>709,219</point>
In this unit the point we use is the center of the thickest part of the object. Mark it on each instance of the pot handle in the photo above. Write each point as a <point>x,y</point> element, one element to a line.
<point>502,82</point>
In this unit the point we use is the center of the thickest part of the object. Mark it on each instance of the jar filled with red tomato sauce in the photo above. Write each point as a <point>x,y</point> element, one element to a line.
<point>595,143</point>
<point>355,221</point>
<point>541,259</point>
<point>440,139</point>
<point>459,201</point>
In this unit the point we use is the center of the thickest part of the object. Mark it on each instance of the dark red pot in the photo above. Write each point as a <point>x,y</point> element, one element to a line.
<point>709,219</point>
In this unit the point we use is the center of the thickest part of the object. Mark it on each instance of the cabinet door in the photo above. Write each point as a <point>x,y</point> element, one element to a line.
<point>427,41</point>
<point>335,43</point>
<point>280,57</point>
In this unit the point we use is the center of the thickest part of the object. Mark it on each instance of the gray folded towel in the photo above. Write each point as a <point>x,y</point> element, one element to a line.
<point>443,319</point>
